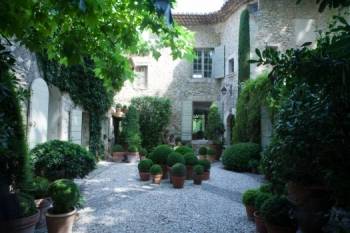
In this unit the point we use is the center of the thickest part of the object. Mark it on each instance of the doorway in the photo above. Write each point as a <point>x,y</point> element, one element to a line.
<point>199,119</point>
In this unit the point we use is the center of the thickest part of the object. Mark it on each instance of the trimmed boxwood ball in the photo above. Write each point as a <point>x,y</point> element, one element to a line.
<point>275,210</point>
<point>211,151</point>
<point>117,148</point>
<point>190,159</point>
<point>178,170</point>
<point>184,150</point>
<point>145,165</point>
<point>160,154</point>
<point>249,197</point>
<point>156,169</point>
<point>202,150</point>
<point>174,158</point>
<point>260,199</point>
<point>198,169</point>
<point>65,195</point>
<point>237,157</point>
<point>59,159</point>
<point>206,164</point>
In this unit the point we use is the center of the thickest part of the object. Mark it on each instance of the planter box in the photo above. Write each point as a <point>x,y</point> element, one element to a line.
<point>118,156</point>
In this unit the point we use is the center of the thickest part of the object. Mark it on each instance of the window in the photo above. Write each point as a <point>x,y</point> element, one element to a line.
<point>141,77</point>
<point>202,64</point>
<point>231,66</point>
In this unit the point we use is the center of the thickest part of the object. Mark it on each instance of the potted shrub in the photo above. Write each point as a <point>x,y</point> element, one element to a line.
<point>159,156</point>
<point>260,198</point>
<point>211,154</point>
<point>133,154</point>
<point>275,212</point>
<point>198,171</point>
<point>215,130</point>
<point>118,153</point>
<point>143,153</point>
<point>65,195</point>
<point>156,173</point>
<point>237,157</point>
<point>248,200</point>
<point>202,152</point>
<point>174,158</point>
<point>144,167</point>
<point>206,165</point>
<point>190,161</point>
<point>178,175</point>
<point>184,149</point>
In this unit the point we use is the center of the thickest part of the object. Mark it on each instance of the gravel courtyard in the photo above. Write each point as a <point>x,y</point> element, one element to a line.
<point>117,202</point>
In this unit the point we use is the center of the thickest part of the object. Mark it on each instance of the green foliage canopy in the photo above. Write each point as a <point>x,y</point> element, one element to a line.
<point>244,47</point>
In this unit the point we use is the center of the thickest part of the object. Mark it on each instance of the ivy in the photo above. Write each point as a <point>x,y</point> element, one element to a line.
<point>244,47</point>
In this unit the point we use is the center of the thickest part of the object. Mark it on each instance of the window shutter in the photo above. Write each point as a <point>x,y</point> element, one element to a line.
<point>219,62</point>
<point>75,126</point>
<point>186,125</point>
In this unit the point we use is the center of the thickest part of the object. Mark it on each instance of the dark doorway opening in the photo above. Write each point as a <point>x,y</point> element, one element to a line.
<point>199,119</point>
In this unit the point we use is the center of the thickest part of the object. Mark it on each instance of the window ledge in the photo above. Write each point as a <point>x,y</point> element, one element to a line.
<point>201,80</point>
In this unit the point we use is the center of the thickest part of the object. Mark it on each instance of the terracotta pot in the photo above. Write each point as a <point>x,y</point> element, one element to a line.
<point>157,178</point>
<point>197,179</point>
<point>279,229</point>
<point>218,150</point>
<point>20,225</point>
<point>202,157</point>
<point>133,157</point>
<point>42,205</point>
<point>60,223</point>
<point>297,193</point>
<point>189,172</point>
<point>211,158</point>
<point>206,175</point>
<point>118,156</point>
<point>165,172</point>
<point>178,181</point>
<point>250,212</point>
<point>259,223</point>
<point>145,176</point>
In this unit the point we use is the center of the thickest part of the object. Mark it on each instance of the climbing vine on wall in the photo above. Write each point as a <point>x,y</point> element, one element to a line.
<point>85,90</point>
<point>244,47</point>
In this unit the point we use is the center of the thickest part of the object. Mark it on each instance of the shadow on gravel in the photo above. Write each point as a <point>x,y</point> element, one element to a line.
<point>228,194</point>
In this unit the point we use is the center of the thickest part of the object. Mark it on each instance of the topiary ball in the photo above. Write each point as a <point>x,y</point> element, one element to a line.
<point>275,210</point>
<point>156,169</point>
<point>184,150</point>
<point>178,170</point>
<point>143,152</point>
<point>40,187</point>
<point>160,154</point>
<point>190,159</point>
<point>203,150</point>
<point>260,198</point>
<point>237,157</point>
<point>174,158</point>
<point>145,165</point>
<point>206,164</point>
<point>249,197</point>
<point>198,169</point>
<point>65,195</point>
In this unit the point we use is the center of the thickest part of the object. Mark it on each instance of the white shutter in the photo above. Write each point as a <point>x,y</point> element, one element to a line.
<point>186,125</point>
<point>75,126</point>
<point>304,31</point>
<point>219,62</point>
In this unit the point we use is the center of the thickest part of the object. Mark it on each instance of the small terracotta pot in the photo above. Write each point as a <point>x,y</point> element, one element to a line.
<point>157,178</point>
<point>279,229</point>
<point>206,175</point>
<point>250,212</point>
<point>145,176</point>
<point>259,223</point>
<point>60,223</point>
<point>43,205</point>
<point>197,179</point>
<point>189,172</point>
<point>118,156</point>
<point>178,181</point>
<point>20,225</point>
<point>165,172</point>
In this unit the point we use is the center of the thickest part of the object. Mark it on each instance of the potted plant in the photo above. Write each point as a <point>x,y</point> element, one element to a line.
<point>144,167</point>
<point>65,195</point>
<point>248,200</point>
<point>159,156</point>
<point>184,149</point>
<point>275,212</point>
<point>143,153</point>
<point>215,130</point>
<point>174,158</point>
<point>156,173</point>
<point>118,153</point>
<point>198,171</point>
<point>133,154</point>
<point>178,175</point>
<point>202,152</point>
<point>190,161</point>
<point>206,165</point>
<point>211,154</point>
<point>260,198</point>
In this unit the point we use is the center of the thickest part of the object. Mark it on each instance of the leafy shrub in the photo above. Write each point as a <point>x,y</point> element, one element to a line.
<point>40,187</point>
<point>131,128</point>
<point>211,151</point>
<point>215,128</point>
<point>178,170</point>
<point>133,149</point>
<point>174,158</point>
<point>145,165</point>
<point>202,150</point>
<point>205,163</point>
<point>156,169</point>
<point>275,210</point>
<point>65,195</point>
<point>117,148</point>
<point>266,188</point>
<point>154,115</point>
<point>52,157</point>
<point>143,152</point>
<point>190,159</point>
<point>237,157</point>
<point>184,150</point>
<point>160,154</point>
<point>27,205</point>
<point>260,199</point>
<point>249,197</point>
<point>198,169</point>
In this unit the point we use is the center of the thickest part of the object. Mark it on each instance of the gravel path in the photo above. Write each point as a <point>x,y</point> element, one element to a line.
<point>117,202</point>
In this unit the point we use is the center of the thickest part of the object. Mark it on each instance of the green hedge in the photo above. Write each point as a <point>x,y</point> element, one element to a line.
<point>215,128</point>
<point>237,157</point>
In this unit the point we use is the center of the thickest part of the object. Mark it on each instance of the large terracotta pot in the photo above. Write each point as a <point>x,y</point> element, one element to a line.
<point>189,172</point>
<point>165,171</point>
<point>43,205</point>
<point>118,156</point>
<point>20,225</point>
<point>178,181</point>
<point>133,157</point>
<point>250,212</point>
<point>279,229</point>
<point>60,223</point>
<point>206,175</point>
<point>157,178</point>
<point>259,223</point>
<point>145,176</point>
<point>218,150</point>
<point>197,179</point>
